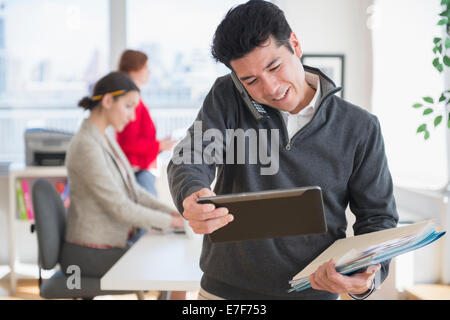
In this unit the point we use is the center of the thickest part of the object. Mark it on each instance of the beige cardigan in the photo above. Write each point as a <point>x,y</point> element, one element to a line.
<point>102,209</point>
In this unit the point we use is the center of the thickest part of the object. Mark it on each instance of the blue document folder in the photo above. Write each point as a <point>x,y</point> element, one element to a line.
<point>355,253</point>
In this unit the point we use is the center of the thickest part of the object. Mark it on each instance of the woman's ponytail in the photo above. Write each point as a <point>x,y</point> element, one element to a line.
<point>87,103</point>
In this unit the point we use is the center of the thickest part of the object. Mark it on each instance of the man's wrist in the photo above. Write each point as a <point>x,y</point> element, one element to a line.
<point>365,294</point>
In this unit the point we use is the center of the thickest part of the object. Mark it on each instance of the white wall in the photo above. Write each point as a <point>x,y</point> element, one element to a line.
<point>339,27</point>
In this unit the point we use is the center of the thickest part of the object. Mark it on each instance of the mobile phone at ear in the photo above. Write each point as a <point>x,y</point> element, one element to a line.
<point>254,107</point>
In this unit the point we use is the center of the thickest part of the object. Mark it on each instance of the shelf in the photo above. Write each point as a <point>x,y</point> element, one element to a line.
<point>428,292</point>
<point>20,171</point>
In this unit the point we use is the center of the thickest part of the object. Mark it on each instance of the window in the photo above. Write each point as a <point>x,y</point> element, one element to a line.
<point>176,36</point>
<point>403,33</point>
<point>51,50</point>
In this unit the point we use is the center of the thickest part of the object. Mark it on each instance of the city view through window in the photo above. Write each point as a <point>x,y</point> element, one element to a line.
<point>177,36</point>
<point>53,51</point>
<point>50,51</point>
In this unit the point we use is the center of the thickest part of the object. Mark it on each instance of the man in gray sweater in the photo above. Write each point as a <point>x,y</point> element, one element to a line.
<point>316,138</point>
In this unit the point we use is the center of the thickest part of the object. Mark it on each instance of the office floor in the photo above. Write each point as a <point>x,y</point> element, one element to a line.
<point>29,290</point>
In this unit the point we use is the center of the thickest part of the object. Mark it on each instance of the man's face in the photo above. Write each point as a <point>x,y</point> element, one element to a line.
<point>273,75</point>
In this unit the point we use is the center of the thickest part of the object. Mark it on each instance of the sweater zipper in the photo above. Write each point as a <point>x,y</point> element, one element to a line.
<point>289,140</point>
<point>286,134</point>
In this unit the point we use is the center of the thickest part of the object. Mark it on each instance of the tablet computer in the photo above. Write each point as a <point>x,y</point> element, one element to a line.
<point>270,214</point>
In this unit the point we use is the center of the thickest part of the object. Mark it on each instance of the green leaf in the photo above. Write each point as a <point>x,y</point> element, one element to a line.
<point>436,62</point>
<point>447,61</point>
<point>444,2</point>
<point>417,105</point>
<point>427,111</point>
<point>442,22</point>
<point>442,97</point>
<point>448,122</point>
<point>440,68</point>
<point>421,128</point>
<point>427,135</point>
<point>428,99</point>
<point>437,120</point>
<point>444,13</point>
<point>436,40</point>
<point>447,43</point>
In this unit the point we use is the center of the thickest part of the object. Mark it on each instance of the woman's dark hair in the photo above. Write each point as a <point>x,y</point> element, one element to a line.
<point>247,26</point>
<point>117,83</point>
<point>132,60</point>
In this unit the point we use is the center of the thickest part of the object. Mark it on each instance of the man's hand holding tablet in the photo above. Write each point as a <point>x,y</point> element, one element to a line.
<point>205,218</point>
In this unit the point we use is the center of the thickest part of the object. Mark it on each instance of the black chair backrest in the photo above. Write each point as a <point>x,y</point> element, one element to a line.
<point>50,220</point>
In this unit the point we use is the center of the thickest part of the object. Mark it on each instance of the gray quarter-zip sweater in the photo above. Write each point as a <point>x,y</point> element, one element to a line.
<point>341,150</point>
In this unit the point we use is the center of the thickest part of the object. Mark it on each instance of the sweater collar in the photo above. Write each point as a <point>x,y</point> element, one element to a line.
<point>327,86</point>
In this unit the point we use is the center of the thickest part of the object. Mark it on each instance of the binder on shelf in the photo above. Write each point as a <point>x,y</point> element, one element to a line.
<point>60,186</point>
<point>21,201</point>
<point>65,196</point>
<point>354,253</point>
<point>27,199</point>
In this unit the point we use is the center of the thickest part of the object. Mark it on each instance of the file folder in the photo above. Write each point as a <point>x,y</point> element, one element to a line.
<point>358,252</point>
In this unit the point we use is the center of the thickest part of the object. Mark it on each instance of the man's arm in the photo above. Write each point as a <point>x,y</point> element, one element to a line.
<point>371,188</point>
<point>191,170</point>
<point>372,202</point>
<point>187,171</point>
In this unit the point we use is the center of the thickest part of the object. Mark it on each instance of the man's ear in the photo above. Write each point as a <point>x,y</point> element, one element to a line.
<point>107,101</point>
<point>295,44</point>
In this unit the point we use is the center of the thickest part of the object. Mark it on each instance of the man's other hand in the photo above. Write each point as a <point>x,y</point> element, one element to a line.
<point>328,279</point>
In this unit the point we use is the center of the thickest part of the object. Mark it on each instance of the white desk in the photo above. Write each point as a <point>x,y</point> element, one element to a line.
<point>157,262</point>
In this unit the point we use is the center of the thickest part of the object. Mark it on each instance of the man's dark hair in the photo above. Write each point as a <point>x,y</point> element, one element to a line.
<point>247,26</point>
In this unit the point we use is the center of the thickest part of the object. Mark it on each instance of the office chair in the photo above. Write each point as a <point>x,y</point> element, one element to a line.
<point>50,225</point>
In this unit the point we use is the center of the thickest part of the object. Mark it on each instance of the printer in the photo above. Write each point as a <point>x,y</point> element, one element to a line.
<point>46,147</point>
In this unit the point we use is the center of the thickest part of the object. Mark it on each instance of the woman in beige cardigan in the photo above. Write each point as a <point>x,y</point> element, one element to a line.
<point>107,205</point>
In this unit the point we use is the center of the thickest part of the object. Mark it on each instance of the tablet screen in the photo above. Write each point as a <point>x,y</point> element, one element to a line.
<point>270,214</point>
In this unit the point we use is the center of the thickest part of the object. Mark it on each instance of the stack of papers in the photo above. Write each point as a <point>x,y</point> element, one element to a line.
<point>358,252</point>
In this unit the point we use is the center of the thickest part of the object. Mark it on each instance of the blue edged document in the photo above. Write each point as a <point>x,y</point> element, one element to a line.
<point>355,253</point>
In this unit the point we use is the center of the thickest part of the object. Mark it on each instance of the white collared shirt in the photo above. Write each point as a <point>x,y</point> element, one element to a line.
<point>295,122</point>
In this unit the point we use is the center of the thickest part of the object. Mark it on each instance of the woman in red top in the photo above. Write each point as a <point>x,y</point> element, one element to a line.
<point>138,140</point>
